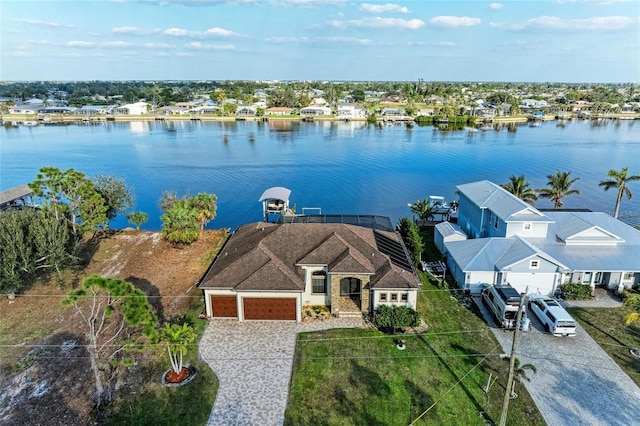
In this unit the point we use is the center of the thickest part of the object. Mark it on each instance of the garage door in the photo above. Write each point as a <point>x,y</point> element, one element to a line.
<point>269,309</point>
<point>224,307</point>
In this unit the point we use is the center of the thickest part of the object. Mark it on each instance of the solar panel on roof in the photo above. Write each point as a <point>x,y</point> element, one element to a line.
<point>394,250</point>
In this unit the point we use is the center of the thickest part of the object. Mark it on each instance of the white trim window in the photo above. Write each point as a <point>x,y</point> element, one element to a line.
<point>394,297</point>
<point>527,226</point>
<point>383,297</point>
<point>534,264</point>
<point>404,297</point>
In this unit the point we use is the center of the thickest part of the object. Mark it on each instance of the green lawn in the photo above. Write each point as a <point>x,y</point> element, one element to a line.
<point>155,404</point>
<point>355,377</point>
<point>606,326</point>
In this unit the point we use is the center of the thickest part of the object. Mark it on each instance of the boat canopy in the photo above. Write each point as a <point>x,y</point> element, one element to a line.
<point>276,193</point>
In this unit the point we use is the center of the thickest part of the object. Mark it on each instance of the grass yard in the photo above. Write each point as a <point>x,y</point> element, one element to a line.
<point>606,326</point>
<point>155,404</point>
<point>357,376</point>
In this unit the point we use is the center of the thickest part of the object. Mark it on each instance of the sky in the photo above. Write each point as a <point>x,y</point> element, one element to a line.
<point>336,40</point>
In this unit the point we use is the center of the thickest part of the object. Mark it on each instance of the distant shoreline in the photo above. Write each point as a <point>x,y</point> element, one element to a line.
<point>69,119</point>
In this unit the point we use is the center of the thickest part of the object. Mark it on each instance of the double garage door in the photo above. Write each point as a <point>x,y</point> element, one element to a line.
<point>277,308</point>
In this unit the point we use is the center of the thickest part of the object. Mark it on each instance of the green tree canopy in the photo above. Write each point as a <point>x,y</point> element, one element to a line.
<point>177,340</point>
<point>118,197</point>
<point>118,320</point>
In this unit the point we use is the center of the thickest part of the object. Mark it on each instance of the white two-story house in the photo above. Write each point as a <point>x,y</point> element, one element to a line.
<point>510,241</point>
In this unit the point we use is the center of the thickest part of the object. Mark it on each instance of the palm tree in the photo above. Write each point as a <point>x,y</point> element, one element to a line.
<point>177,340</point>
<point>560,186</point>
<point>520,373</point>
<point>519,187</point>
<point>205,204</point>
<point>619,179</point>
<point>633,301</point>
<point>421,209</point>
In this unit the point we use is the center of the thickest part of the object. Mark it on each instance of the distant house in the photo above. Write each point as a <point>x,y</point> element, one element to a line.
<point>174,109</point>
<point>95,109</point>
<point>246,111</point>
<point>24,109</point>
<point>205,109</point>
<point>278,111</point>
<point>270,271</point>
<point>392,112</point>
<point>350,111</point>
<point>313,111</point>
<point>510,241</point>
<point>138,108</point>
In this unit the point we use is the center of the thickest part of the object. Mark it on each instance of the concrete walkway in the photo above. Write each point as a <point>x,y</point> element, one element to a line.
<point>253,361</point>
<point>577,383</point>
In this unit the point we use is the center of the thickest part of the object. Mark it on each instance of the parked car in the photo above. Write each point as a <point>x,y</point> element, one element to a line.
<point>555,319</point>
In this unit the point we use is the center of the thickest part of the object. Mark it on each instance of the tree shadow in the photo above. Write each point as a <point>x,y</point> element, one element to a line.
<point>152,292</point>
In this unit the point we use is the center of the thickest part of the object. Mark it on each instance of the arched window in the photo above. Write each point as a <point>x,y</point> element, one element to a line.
<point>350,287</point>
<point>319,282</point>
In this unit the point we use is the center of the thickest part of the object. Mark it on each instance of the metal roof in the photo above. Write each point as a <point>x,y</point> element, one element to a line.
<point>13,194</point>
<point>277,193</point>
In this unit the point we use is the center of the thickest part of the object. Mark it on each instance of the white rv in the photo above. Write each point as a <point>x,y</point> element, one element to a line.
<point>503,302</point>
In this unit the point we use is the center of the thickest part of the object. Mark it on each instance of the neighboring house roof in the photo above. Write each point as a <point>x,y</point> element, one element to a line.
<point>16,193</point>
<point>591,241</point>
<point>495,254</point>
<point>488,195</point>
<point>267,257</point>
<point>448,229</point>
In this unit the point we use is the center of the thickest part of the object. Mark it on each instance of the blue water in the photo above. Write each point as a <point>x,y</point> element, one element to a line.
<point>347,168</point>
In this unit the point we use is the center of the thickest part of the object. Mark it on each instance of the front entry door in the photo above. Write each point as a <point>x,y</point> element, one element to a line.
<point>350,287</point>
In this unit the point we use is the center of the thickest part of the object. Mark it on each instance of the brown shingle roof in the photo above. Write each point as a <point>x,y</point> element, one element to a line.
<point>263,256</point>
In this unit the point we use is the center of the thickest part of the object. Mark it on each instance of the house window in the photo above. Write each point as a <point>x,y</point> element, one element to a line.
<point>534,264</point>
<point>394,297</point>
<point>586,278</point>
<point>383,297</point>
<point>404,297</point>
<point>495,223</point>
<point>526,226</point>
<point>319,282</point>
<point>628,276</point>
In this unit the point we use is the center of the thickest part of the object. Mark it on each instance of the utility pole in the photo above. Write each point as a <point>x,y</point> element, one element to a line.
<point>512,361</point>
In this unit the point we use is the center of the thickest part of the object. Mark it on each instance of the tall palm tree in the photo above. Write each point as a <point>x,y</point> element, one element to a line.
<point>619,179</point>
<point>559,187</point>
<point>520,374</point>
<point>177,340</point>
<point>206,205</point>
<point>519,187</point>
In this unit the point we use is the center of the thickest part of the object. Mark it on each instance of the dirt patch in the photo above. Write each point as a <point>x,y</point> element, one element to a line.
<point>45,374</point>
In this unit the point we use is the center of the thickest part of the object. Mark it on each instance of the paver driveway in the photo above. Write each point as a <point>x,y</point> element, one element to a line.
<point>253,361</point>
<point>577,383</point>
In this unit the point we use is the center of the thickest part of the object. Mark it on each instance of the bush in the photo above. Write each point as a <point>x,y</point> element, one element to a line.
<point>576,291</point>
<point>394,318</point>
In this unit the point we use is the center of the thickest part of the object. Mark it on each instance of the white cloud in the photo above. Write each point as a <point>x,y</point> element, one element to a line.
<point>220,32</point>
<point>445,44</point>
<point>44,23</point>
<point>319,40</point>
<point>176,32</point>
<point>127,30</point>
<point>599,23</point>
<point>159,46</point>
<point>199,46</point>
<point>382,8</point>
<point>496,6</point>
<point>80,43</point>
<point>454,21</point>
<point>117,44</point>
<point>17,53</point>
<point>383,23</point>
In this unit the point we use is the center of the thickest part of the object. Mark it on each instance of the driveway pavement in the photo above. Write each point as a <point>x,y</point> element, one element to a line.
<point>253,361</point>
<point>577,383</point>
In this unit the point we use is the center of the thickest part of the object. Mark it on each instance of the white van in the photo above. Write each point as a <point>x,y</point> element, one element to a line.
<point>553,317</point>
<point>503,302</point>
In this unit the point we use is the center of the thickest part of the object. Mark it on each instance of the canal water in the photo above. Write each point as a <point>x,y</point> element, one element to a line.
<point>339,167</point>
